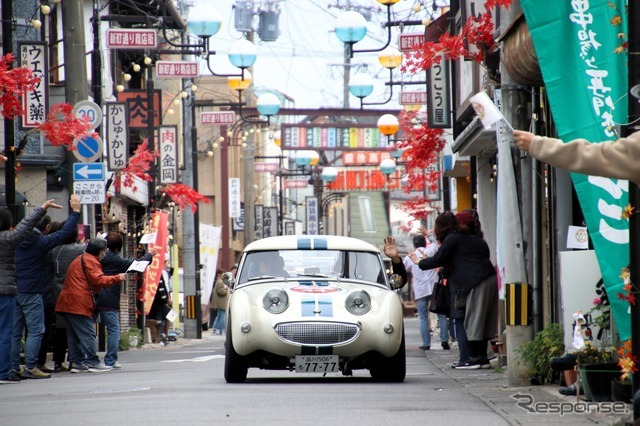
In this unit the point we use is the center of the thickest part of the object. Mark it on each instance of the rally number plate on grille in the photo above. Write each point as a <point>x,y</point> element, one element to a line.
<point>317,363</point>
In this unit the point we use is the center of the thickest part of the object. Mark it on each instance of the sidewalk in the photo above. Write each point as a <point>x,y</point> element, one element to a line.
<point>534,404</point>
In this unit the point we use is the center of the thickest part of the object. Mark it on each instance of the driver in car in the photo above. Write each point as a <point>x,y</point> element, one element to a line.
<point>271,264</point>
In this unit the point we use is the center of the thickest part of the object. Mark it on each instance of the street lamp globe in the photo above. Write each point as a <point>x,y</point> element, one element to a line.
<point>303,158</point>
<point>315,158</point>
<point>390,58</point>
<point>351,27</point>
<point>329,174</point>
<point>396,153</point>
<point>361,85</point>
<point>388,124</point>
<point>387,166</point>
<point>206,21</point>
<point>268,104</point>
<point>239,83</point>
<point>387,2</point>
<point>243,53</point>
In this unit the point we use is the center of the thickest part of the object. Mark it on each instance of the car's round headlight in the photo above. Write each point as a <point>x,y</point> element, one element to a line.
<point>358,302</point>
<point>275,301</point>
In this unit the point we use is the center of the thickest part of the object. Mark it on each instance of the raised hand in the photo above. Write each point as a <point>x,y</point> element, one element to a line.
<point>75,203</point>
<point>51,203</point>
<point>391,250</point>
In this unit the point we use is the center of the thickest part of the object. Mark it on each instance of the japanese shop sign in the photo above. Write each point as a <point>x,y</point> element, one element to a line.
<point>365,179</point>
<point>413,98</point>
<point>168,161</point>
<point>217,117</point>
<point>364,158</point>
<point>258,210</point>
<point>296,183</point>
<point>234,197</point>
<point>313,215</point>
<point>265,167</point>
<point>177,69</point>
<point>270,222</point>
<point>411,41</point>
<point>137,104</point>
<point>33,55</point>
<point>438,101</point>
<point>131,39</point>
<point>332,137</point>
<point>117,135</point>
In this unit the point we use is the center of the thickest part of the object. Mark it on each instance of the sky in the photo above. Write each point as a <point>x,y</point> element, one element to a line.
<point>306,61</point>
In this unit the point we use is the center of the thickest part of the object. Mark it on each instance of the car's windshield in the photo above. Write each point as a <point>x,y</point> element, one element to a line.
<point>364,266</point>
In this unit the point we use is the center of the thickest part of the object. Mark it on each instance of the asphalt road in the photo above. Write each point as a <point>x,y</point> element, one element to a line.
<point>183,383</point>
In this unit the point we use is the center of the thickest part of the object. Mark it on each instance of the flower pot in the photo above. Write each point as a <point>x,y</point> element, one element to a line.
<point>621,391</point>
<point>596,380</point>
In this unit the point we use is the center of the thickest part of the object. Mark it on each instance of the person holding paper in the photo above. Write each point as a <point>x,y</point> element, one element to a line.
<point>108,299</point>
<point>612,159</point>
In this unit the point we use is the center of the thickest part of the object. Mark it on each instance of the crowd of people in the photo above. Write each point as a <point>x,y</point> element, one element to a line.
<point>462,256</point>
<point>53,289</point>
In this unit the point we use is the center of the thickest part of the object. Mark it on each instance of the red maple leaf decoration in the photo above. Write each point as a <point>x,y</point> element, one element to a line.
<point>184,196</point>
<point>63,127</point>
<point>14,83</point>
<point>139,165</point>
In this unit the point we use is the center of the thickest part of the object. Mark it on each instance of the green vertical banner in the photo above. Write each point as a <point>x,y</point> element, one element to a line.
<point>585,74</point>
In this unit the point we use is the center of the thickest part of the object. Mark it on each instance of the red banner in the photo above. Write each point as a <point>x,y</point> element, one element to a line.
<point>159,224</point>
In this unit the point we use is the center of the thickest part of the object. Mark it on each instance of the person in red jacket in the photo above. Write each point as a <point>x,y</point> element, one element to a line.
<point>76,304</point>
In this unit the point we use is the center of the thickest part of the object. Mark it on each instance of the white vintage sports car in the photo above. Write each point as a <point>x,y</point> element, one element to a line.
<point>314,304</point>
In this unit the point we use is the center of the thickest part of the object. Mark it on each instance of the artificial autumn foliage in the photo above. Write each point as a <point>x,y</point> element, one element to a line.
<point>62,126</point>
<point>138,166</point>
<point>184,196</point>
<point>14,83</point>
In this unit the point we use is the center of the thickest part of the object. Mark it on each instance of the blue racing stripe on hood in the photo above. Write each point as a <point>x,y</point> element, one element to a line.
<point>304,243</point>
<point>319,243</point>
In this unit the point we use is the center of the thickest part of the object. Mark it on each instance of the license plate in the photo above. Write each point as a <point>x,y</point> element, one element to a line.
<point>317,363</point>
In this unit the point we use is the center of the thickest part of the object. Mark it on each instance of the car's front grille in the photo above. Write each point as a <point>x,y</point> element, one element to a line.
<point>317,333</point>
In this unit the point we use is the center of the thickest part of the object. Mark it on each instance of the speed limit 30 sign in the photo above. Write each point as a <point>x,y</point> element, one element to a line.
<point>90,111</point>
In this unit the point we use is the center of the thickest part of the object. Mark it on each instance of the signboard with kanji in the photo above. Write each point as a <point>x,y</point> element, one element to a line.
<point>137,104</point>
<point>168,148</point>
<point>234,197</point>
<point>118,38</point>
<point>410,41</point>
<point>332,137</point>
<point>265,167</point>
<point>218,117</point>
<point>313,215</point>
<point>365,179</point>
<point>364,158</point>
<point>296,183</point>
<point>33,55</point>
<point>117,135</point>
<point>90,191</point>
<point>438,101</point>
<point>258,210</point>
<point>270,222</point>
<point>413,98</point>
<point>177,69</point>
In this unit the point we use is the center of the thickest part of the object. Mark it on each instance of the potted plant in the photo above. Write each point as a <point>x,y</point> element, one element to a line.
<point>597,367</point>
<point>130,339</point>
<point>538,352</point>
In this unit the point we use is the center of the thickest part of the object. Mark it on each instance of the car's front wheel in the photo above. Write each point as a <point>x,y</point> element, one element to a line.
<point>393,368</point>
<point>235,366</point>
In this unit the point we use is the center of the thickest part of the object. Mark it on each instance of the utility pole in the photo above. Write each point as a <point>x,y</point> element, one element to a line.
<point>9,129</point>
<point>512,100</point>
<point>247,166</point>
<point>76,85</point>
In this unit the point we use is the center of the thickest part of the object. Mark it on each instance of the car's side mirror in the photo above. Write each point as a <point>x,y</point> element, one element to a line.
<point>396,282</point>
<point>228,279</point>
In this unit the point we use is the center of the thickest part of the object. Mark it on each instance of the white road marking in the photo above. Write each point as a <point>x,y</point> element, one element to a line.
<point>198,359</point>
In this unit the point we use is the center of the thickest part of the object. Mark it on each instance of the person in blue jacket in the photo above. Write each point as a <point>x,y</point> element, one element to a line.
<point>108,299</point>
<point>31,279</point>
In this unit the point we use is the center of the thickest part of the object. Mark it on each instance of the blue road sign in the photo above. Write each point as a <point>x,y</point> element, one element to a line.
<point>88,148</point>
<point>88,171</point>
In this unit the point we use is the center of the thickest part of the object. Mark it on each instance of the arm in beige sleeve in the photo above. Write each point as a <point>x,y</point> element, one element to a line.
<point>613,159</point>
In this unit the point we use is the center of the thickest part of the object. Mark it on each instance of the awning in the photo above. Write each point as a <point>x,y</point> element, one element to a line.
<point>475,140</point>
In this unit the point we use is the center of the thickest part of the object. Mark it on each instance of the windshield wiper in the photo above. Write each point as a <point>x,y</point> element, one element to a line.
<point>315,274</point>
<point>261,277</point>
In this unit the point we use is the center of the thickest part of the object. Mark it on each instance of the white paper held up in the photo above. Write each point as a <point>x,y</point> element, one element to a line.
<point>138,266</point>
<point>149,238</point>
<point>486,110</point>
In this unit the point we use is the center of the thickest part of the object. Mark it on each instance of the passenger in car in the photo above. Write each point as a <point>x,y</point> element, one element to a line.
<point>272,264</point>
